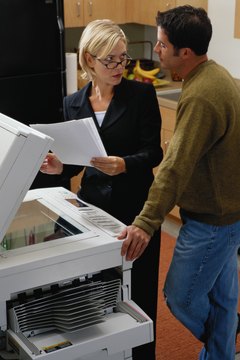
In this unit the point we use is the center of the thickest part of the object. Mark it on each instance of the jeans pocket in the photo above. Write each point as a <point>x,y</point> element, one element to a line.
<point>234,234</point>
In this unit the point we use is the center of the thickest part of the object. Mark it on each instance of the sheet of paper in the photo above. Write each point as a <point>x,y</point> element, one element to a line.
<point>75,141</point>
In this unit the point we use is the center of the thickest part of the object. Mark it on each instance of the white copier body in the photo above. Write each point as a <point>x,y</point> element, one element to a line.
<point>65,288</point>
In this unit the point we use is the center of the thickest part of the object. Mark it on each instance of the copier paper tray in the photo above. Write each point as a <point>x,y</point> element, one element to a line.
<point>77,321</point>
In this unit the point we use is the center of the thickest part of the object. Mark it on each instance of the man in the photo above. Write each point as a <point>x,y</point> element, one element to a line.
<point>201,174</point>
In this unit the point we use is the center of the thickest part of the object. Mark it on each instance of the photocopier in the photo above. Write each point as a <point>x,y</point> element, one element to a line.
<point>65,289</point>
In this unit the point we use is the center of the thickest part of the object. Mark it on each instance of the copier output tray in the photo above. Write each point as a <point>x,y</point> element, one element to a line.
<point>121,330</point>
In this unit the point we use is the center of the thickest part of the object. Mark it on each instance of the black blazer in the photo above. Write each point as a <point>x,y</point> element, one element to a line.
<point>130,129</point>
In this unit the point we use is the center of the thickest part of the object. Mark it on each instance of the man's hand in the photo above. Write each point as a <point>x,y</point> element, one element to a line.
<point>136,241</point>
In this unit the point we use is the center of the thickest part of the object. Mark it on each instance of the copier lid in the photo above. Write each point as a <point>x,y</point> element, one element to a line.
<point>22,151</point>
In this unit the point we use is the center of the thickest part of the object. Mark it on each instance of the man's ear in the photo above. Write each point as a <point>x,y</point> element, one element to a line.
<point>186,53</point>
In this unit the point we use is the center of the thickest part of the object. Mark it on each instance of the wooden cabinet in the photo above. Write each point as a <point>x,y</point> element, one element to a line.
<point>73,13</point>
<point>105,9</point>
<point>196,3</point>
<point>237,22</point>
<point>79,13</point>
<point>168,123</point>
<point>139,11</point>
<point>143,12</point>
<point>76,182</point>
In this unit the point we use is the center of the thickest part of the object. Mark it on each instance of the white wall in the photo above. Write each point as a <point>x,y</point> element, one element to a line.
<point>223,48</point>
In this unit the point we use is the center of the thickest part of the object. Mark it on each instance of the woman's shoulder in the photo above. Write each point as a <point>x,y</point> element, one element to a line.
<point>134,86</point>
<point>77,97</point>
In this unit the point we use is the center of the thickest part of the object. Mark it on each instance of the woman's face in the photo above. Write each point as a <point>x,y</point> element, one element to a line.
<point>105,74</point>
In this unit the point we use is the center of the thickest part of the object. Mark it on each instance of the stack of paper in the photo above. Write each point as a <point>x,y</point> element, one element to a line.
<point>75,141</point>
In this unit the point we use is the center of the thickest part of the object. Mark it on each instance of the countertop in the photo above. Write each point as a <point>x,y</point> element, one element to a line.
<point>173,85</point>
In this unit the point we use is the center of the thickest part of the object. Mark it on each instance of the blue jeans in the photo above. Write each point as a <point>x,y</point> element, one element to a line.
<point>201,287</point>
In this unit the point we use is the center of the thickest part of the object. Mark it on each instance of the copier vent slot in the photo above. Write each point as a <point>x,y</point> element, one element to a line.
<point>68,308</point>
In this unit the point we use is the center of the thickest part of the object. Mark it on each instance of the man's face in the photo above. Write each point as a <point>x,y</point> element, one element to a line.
<point>168,56</point>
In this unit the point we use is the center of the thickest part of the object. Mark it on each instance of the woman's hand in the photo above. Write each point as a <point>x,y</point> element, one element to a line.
<point>110,165</point>
<point>51,165</point>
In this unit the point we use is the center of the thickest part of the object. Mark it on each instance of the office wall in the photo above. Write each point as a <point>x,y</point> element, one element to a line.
<point>224,48</point>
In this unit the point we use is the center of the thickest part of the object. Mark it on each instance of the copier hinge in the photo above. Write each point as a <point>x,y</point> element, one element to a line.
<point>125,293</point>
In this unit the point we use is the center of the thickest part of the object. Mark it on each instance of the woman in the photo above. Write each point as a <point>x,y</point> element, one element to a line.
<point>126,114</point>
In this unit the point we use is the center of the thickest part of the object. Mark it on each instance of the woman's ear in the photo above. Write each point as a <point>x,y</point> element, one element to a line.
<point>90,60</point>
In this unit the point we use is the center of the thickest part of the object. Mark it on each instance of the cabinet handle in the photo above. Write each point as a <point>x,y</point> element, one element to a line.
<point>166,144</point>
<point>90,6</point>
<point>78,6</point>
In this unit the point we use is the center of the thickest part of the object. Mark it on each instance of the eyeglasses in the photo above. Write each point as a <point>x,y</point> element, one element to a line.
<point>161,44</point>
<point>114,64</point>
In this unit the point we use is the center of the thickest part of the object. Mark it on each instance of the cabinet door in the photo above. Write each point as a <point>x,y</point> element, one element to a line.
<point>73,13</point>
<point>79,13</point>
<point>195,3</point>
<point>237,22</point>
<point>139,11</point>
<point>105,9</point>
<point>76,182</point>
<point>168,124</point>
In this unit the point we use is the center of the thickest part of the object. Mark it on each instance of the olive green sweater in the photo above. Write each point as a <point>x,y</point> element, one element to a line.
<point>201,170</point>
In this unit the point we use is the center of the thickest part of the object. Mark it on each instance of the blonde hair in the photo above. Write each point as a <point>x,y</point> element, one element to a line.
<point>98,39</point>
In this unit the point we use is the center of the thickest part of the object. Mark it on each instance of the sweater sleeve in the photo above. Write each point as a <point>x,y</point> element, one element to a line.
<point>198,128</point>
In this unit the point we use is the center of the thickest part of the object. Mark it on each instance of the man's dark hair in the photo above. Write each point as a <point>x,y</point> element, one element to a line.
<point>186,26</point>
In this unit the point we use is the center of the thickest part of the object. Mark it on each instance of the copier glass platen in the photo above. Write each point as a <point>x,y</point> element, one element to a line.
<point>65,288</point>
